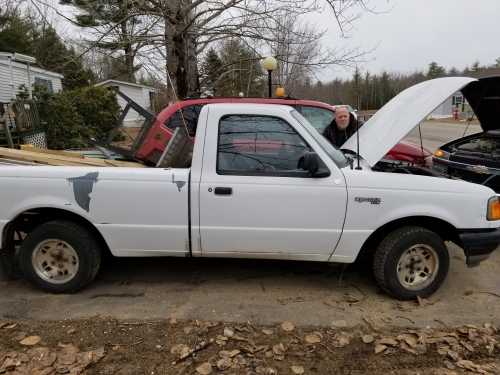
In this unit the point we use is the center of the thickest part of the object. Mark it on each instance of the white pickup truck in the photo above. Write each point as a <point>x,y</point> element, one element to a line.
<point>263,183</point>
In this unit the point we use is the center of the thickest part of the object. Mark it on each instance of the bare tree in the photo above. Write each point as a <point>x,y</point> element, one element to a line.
<point>116,28</point>
<point>300,53</point>
<point>178,32</point>
<point>190,26</point>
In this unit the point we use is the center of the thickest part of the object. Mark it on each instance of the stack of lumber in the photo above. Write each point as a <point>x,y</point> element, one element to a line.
<point>29,155</point>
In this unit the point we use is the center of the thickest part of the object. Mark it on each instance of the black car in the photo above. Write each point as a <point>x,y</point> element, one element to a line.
<point>476,158</point>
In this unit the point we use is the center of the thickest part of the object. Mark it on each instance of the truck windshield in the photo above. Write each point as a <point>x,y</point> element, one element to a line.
<point>335,154</point>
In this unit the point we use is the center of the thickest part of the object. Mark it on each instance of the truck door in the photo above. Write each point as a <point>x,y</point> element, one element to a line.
<point>254,202</point>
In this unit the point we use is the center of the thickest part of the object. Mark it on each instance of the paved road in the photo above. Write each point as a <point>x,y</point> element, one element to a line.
<point>436,133</point>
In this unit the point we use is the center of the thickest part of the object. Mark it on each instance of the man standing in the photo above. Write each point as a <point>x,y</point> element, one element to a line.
<point>342,127</point>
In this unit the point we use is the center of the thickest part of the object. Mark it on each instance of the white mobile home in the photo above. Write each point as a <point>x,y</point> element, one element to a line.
<point>18,70</point>
<point>445,110</point>
<point>141,94</point>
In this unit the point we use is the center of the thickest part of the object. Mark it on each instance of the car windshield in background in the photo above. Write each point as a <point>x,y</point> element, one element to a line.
<point>335,154</point>
<point>320,118</point>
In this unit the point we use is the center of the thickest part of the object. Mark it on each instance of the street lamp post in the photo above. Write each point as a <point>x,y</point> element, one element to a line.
<point>269,64</point>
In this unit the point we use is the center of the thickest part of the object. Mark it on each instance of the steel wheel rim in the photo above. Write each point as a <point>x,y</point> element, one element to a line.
<point>55,261</point>
<point>418,267</point>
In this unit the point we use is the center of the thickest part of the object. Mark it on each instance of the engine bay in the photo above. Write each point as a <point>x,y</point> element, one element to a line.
<point>394,166</point>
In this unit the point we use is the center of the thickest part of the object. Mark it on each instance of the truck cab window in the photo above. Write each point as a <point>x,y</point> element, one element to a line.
<point>258,145</point>
<point>190,113</point>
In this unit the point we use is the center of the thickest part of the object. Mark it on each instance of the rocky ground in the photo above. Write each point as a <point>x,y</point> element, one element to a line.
<point>107,346</point>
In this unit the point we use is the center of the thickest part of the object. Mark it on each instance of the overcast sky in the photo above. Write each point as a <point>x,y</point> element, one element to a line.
<point>412,33</point>
<point>408,34</point>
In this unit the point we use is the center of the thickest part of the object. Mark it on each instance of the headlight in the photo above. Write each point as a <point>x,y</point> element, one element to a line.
<point>493,209</point>
<point>441,154</point>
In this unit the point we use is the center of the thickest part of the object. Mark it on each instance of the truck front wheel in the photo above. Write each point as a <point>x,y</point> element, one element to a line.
<point>60,257</point>
<point>411,261</point>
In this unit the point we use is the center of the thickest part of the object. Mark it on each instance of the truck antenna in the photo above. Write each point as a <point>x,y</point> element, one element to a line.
<point>358,167</point>
<point>358,105</point>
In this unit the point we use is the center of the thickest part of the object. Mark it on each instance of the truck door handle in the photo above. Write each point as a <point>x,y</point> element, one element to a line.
<point>223,191</point>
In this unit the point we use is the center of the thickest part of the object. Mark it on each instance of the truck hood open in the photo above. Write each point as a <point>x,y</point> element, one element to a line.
<point>483,96</point>
<point>401,114</point>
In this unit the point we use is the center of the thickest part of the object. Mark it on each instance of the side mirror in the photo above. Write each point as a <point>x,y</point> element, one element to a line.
<point>311,162</point>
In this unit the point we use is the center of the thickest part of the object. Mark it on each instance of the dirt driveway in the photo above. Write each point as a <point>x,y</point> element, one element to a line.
<point>183,316</point>
<point>264,292</point>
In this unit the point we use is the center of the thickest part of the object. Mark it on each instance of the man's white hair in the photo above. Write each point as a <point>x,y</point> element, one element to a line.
<point>341,108</point>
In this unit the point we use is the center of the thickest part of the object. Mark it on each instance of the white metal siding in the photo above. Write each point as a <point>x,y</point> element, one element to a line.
<point>132,119</point>
<point>56,82</point>
<point>20,77</point>
<point>444,110</point>
<point>134,93</point>
<point>5,86</point>
<point>147,99</point>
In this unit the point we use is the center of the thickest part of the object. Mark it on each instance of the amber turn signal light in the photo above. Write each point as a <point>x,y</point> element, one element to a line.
<point>493,209</point>
<point>439,153</point>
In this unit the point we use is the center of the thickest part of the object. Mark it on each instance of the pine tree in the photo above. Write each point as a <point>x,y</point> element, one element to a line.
<point>242,71</point>
<point>356,88</point>
<point>435,70</point>
<point>16,33</point>
<point>19,34</point>
<point>476,66</point>
<point>52,54</point>
<point>116,15</point>
<point>386,91</point>
<point>211,70</point>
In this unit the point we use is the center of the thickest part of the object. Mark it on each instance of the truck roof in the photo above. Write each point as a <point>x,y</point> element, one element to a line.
<point>248,107</point>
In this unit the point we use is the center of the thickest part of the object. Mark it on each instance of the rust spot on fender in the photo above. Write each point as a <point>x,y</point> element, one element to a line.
<point>82,188</point>
<point>180,184</point>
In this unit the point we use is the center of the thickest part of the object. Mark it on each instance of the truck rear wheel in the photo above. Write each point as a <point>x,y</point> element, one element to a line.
<point>411,261</point>
<point>60,257</point>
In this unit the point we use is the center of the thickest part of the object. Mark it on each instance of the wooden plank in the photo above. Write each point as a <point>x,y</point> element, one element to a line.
<point>120,163</point>
<point>32,148</point>
<point>104,163</point>
<point>62,160</point>
<point>116,163</point>
<point>38,161</point>
<point>5,161</point>
<point>36,158</point>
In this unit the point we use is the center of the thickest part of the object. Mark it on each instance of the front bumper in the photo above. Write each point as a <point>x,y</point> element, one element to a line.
<point>478,244</point>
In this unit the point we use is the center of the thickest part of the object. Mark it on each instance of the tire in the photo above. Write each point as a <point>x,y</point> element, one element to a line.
<point>60,257</point>
<point>9,269</point>
<point>411,262</point>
